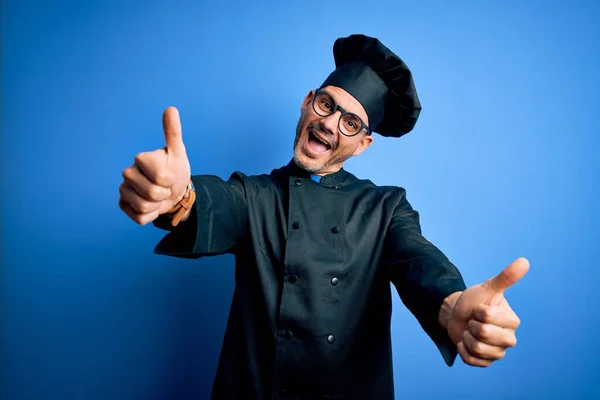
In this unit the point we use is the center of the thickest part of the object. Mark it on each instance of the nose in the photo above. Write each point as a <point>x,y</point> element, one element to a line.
<point>331,122</point>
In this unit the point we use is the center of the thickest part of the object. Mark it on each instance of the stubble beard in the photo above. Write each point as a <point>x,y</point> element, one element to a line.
<point>305,162</point>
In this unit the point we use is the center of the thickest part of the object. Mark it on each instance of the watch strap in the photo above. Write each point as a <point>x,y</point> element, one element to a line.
<point>178,211</point>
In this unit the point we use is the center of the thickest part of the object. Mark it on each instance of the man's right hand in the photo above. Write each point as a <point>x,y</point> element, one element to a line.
<point>157,180</point>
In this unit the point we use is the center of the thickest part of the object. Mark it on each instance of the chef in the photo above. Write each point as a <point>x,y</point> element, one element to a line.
<point>317,247</point>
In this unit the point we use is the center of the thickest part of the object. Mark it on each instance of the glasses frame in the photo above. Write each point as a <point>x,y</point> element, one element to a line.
<point>343,112</point>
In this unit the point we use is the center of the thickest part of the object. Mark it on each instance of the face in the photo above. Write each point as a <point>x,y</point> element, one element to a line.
<point>319,146</point>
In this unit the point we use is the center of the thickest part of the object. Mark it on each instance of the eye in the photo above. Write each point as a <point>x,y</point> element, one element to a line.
<point>351,123</point>
<point>326,105</point>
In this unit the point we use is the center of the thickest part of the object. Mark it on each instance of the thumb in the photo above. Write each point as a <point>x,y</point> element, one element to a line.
<point>508,276</point>
<point>172,130</point>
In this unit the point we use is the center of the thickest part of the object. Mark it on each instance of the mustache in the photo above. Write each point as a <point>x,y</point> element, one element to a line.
<point>317,126</point>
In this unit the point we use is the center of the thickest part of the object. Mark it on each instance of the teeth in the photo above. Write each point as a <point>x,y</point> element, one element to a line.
<point>322,141</point>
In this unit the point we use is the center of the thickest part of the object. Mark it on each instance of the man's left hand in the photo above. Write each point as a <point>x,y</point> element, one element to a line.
<point>482,324</point>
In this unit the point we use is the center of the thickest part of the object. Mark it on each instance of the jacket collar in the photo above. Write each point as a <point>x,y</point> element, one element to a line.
<point>339,178</point>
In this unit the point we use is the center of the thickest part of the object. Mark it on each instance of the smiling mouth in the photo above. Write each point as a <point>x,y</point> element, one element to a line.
<point>317,144</point>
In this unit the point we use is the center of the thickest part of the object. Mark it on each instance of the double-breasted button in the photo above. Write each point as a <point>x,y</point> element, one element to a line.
<point>287,334</point>
<point>296,225</point>
<point>331,339</point>
<point>335,281</point>
<point>335,229</point>
<point>298,182</point>
<point>292,278</point>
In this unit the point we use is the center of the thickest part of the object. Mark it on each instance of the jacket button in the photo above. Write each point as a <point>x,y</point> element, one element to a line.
<point>296,225</point>
<point>331,338</point>
<point>292,278</point>
<point>298,182</point>
<point>287,334</point>
<point>335,229</point>
<point>335,281</point>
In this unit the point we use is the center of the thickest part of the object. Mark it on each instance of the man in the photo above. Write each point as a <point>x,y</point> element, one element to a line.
<point>316,248</point>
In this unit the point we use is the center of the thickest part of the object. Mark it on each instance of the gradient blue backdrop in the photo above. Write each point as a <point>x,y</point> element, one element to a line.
<point>502,164</point>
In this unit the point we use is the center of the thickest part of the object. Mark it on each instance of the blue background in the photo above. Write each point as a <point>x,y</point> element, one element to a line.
<point>502,164</point>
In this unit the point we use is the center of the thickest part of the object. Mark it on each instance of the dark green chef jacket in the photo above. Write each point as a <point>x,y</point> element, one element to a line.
<point>312,303</point>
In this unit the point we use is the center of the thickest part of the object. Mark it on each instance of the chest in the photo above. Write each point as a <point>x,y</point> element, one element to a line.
<point>312,227</point>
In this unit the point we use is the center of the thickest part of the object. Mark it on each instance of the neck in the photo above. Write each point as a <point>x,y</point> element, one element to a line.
<point>331,169</point>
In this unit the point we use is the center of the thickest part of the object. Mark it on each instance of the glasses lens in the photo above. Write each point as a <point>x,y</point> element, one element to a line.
<point>350,124</point>
<point>323,104</point>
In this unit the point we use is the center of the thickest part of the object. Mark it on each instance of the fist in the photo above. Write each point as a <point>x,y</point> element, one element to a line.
<point>157,180</point>
<point>482,324</point>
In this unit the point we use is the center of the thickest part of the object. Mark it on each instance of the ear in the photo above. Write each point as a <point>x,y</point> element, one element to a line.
<point>363,144</point>
<point>307,101</point>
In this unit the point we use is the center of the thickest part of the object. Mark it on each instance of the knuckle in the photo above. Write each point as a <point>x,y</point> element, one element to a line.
<point>477,348</point>
<point>487,314</point>
<point>145,207</point>
<point>466,338</point>
<point>139,161</point>
<point>483,331</point>
<point>154,193</point>
<point>126,174</point>
<point>140,207</point>
<point>134,204</point>
<point>140,218</point>
<point>148,218</point>
<point>162,176</point>
<point>140,158</point>
<point>151,192</point>
<point>130,212</point>
<point>517,321</point>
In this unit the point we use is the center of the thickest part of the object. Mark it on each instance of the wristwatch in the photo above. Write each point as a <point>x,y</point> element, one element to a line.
<point>179,210</point>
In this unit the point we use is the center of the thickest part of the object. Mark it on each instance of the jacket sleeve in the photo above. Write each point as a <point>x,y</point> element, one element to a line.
<point>218,220</point>
<point>421,273</point>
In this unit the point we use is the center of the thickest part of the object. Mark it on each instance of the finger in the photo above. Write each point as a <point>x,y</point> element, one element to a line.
<point>482,350</point>
<point>470,359</point>
<point>508,276</point>
<point>141,219</point>
<point>492,334</point>
<point>173,132</point>
<point>153,165</point>
<point>502,316</point>
<point>135,201</point>
<point>134,177</point>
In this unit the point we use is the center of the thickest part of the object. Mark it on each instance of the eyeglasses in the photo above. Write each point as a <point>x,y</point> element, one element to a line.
<point>349,124</point>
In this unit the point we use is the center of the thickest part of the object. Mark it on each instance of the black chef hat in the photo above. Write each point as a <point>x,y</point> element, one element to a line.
<point>379,80</point>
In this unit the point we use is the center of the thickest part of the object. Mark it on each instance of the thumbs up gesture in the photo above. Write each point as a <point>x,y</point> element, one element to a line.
<point>158,179</point>
<point>482,324</point>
